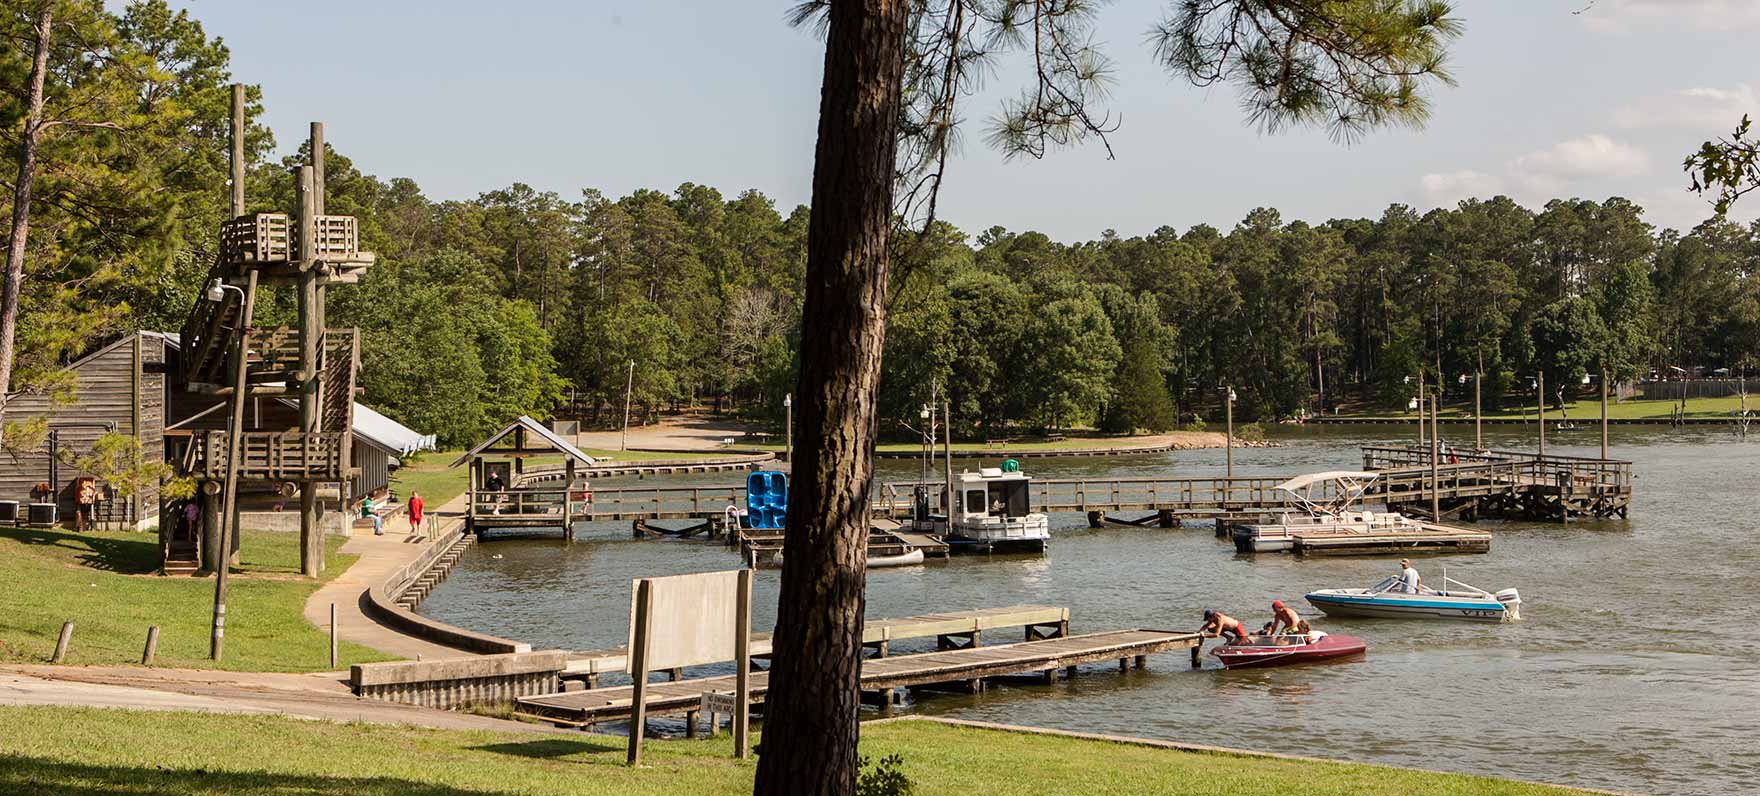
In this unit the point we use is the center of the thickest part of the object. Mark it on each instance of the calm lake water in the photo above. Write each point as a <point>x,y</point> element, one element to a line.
<point>1637,666</point>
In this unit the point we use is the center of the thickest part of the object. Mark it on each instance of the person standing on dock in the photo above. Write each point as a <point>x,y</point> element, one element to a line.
<point>415,512</point>
<point>1410,583</point>
<point>1285,620</point>
<point>1221,625</point>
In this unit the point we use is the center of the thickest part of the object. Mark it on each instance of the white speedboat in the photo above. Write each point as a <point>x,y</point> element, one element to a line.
<point>1387,600</point>
<point>994,510</point>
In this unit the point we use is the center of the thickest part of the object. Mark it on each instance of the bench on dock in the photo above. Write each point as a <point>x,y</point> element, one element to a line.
<point>952,630</point>
<point>966,666</point>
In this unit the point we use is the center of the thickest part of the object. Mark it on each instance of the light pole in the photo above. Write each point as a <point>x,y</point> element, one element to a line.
<point>234,431</point>
<point>928,417</point>
<point>1229,400</point>
<point>1419,404</point>
<point>1604,412</point>
<point>629,386</point>
<point>788,429</point>
<point>1540,389</point>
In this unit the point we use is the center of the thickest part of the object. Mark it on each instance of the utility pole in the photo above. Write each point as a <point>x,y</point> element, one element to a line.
<point>1478,413</point>
<point>1604,411</point>
<point>947,437</point>
<point>228,519</point>
<point>629,386</point>
<point>1540,382</point>
<point>1435,457</point>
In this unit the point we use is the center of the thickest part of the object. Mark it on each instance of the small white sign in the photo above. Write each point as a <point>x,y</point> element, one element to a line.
<point>719,702</point>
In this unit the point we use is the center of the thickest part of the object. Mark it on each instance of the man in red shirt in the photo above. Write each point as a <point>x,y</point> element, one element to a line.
<point>415,512</point>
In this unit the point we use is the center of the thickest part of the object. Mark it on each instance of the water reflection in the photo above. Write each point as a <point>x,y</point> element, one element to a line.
<point>1624,675</point>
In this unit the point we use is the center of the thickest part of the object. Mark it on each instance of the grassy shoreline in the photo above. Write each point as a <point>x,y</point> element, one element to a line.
<point>106,582</point>
<point>98,752</point>
<point>1579,411</point>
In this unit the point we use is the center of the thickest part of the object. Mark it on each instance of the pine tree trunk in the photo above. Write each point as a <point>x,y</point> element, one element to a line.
<point>21,203</point>
<point>810,728</point>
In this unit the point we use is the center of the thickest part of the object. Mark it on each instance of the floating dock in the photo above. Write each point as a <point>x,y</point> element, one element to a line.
<point>1411,536</point>
<point>966,668</point>
<point>951,630</point>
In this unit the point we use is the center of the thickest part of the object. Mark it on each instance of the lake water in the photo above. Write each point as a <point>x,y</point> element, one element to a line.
<point>1637,665</point>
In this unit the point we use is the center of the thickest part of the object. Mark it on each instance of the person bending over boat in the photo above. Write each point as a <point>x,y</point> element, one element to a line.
<point>1410,583</point>
<point>1284,620</point>
<point>1221,625</point>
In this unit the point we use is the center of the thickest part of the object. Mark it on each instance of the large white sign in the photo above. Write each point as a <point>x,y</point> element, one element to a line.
<point>691,619</point>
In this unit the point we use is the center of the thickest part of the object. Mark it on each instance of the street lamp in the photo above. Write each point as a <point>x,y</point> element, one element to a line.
<point>1230,402</point>
<point>629,386</point>
<point>216,293</point>
<point>788,428</point>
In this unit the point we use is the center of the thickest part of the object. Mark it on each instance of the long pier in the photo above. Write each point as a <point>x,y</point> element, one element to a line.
<point>951,630</point>
<point>1467,485</point>
<point>966,668</point>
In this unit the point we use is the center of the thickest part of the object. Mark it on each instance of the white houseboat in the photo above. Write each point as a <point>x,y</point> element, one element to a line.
<point>993,509</point>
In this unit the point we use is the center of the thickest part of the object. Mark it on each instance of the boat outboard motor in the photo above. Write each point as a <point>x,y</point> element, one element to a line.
<point>1512,603</point>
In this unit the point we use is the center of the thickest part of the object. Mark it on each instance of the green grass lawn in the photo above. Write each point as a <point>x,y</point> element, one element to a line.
<point>104,581</point>
<point>1590,409</point>
<point>104,752</point>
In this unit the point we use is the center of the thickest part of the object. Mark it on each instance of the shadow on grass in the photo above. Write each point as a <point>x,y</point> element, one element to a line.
<point>552,748</point>
<point>21,774</point>
<point>123,556</point>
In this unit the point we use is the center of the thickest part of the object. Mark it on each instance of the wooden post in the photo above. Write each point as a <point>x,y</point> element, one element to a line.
<point>237,135</point>
<point>211,557</point>
<point>310,334</point>
<point>567,501</point>
<point>1197,655</point>
<point>638,711</point>
<point>152,645</point>
<point>1420,410</point>
<point>333,636</point>
<point>742,656</point>
<point>62,642</point>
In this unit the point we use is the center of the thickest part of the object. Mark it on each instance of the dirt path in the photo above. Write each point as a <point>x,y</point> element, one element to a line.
<point>311,696</point>
<point>677,433</point>
<point>379,557</point>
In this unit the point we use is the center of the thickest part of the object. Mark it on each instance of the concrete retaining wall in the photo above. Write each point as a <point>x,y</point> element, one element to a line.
<point>456,682</point>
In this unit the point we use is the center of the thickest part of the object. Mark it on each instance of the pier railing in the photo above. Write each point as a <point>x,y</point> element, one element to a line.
<point>1572,472</point>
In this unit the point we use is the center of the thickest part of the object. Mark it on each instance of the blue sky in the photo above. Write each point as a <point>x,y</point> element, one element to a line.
<point>1589,98</point>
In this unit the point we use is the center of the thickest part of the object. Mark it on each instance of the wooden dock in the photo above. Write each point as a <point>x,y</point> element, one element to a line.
<point>1409,537</point>
<point>1466,485</point>
<point>951,630</point>
<point>966,668</point>
<point>762,547</point>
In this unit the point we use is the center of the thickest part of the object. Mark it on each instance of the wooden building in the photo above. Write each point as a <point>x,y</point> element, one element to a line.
<point>119,388</point>
<point>132,386</point>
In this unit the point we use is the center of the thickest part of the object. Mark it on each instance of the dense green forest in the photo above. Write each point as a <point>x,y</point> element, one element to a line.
<point>522,300</point>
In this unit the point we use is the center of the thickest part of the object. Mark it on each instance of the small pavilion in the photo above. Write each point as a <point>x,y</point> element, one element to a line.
<point>505,493</point>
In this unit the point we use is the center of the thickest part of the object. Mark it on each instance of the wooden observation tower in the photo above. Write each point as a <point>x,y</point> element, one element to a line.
<point>223,354</point>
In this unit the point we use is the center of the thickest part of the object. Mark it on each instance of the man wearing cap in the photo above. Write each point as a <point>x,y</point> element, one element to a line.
<point>1221,625</point>
<point>1410,583</point>
<point>1284,620</point>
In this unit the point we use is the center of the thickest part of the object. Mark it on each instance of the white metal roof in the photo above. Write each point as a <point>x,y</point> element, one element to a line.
<point>1351,477</point>
<point>389,433</point>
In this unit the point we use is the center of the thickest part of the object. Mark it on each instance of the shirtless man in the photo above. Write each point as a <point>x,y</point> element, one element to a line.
<point>1221,625</point>
<point>1284,620</point>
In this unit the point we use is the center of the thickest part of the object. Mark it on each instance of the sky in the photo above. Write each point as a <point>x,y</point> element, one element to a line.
<point>1555,98</point>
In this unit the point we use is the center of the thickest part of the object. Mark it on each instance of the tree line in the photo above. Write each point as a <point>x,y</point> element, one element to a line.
<point>528,301</point>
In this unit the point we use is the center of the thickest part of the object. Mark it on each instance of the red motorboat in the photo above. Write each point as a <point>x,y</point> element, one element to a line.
<point>1260,651</point>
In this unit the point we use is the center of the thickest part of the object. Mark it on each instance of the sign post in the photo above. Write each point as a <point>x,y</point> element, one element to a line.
<point>691,620</point>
